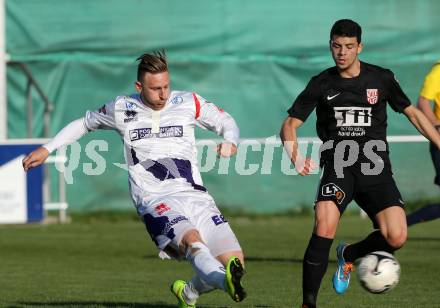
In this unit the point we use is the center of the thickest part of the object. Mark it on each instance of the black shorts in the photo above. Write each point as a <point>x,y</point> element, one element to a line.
<point>435,155</point>
<point>373,193</point>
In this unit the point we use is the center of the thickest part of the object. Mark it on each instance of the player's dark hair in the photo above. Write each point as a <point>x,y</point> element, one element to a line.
<point>348,28</point>
<point>155,62</point>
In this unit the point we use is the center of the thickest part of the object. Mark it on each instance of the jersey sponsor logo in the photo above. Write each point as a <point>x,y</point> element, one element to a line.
<point>130,116</point>
<point>332,189</point>
<point>102,110</point>
<point>164,132</point>
<point>352,116</point>
<point>330,97</point>
<point>177,100</point>
<point>172,222</point>
<point>157,226</point>
<point>372,96</point>
<point>218,219</point>
<point>161,208</point>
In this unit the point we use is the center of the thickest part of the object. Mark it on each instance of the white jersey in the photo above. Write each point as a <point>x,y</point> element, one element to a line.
<point>159,146</point>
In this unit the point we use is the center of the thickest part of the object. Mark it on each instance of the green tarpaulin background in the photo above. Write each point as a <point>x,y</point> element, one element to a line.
<point>250,57</point>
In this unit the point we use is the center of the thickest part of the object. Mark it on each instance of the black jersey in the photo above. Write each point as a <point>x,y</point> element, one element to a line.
<point>351,108</point>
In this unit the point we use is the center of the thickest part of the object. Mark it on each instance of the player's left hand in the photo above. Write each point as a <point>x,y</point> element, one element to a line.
<point>226,149</point>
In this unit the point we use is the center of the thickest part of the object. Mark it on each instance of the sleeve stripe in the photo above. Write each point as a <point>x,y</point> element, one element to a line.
<point>197,103</point>
<point>85,123</point>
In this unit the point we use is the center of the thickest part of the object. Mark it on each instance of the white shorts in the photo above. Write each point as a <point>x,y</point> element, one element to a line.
<point>170,217</point>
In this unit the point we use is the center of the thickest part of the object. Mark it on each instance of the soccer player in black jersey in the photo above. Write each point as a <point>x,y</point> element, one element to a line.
<point>350,100</point>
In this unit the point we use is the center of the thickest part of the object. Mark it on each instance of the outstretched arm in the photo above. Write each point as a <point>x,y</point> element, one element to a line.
<point>230,133</point>
<point>288,136</point>
<point>423,125</point>
<point>220,122</point>
<point>69,134</point>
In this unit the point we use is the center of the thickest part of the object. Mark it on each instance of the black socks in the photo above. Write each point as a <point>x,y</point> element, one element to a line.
<point>429,212</point>
<point>314,267</point>
<point>373,242</point>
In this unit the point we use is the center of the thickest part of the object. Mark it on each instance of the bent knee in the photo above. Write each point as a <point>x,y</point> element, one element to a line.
<point>325,231</point>
<point>397,240</point>
<point>325,228</point>
<point>190,237</point>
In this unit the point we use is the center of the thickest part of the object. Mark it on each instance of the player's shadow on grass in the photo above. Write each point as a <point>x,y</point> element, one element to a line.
<point>253,259</point>
<point>92,304</point>
<point>102,304</point>
<point>259,259</point>
<point>410,239</point>
<point>274,259</point>
<point>425,239</point>
<point>256,259</point>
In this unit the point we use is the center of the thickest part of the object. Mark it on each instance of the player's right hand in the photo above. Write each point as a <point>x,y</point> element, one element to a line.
<point>226,149</point>
<point>35,158</point>
<point>305,166</point>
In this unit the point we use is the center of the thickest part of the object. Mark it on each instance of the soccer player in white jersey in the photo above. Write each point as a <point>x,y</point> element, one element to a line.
<point>157,127</point>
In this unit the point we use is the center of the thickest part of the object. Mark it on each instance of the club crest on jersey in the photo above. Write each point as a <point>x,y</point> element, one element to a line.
<point>372,96</point>
<point>177,100</point>
<point>130,105</point>
<point>332,189</point>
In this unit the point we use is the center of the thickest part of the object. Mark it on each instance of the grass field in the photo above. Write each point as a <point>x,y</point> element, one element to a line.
<point>105,263</point>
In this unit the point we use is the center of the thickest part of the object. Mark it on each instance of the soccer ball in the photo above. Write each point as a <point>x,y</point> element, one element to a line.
<point>378,272</point>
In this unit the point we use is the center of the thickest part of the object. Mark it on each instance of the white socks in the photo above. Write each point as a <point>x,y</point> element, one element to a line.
<point>195,288</point>
<point>209,270</point>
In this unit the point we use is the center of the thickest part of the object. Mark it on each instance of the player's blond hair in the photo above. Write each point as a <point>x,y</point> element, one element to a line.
<point>153,63</point>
